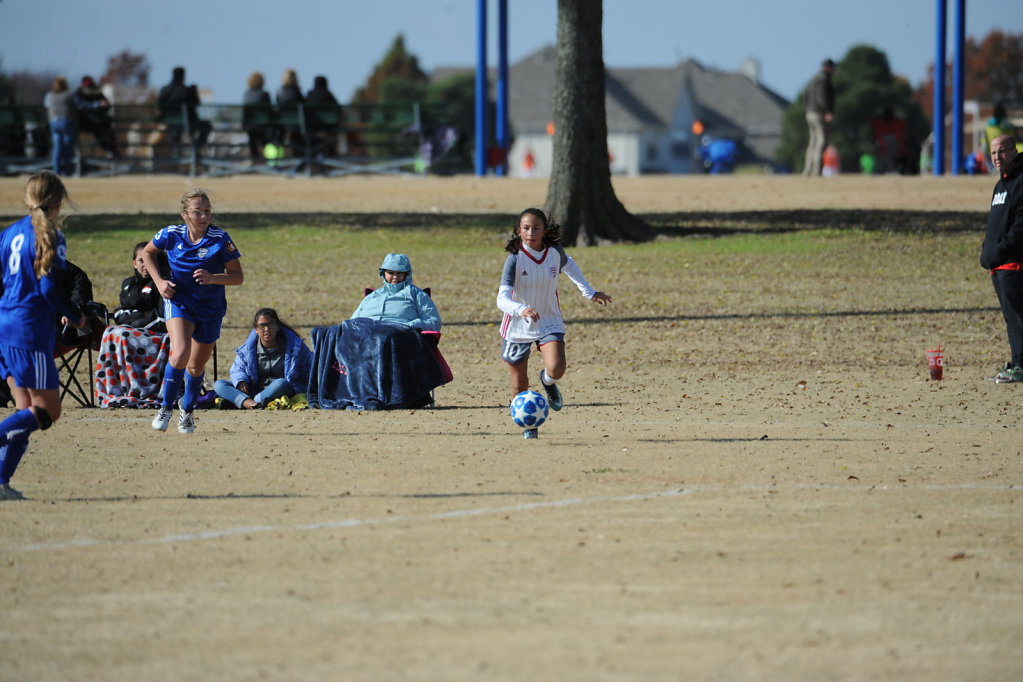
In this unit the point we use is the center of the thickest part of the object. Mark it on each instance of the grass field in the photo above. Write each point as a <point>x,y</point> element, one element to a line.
<point>752,479</point>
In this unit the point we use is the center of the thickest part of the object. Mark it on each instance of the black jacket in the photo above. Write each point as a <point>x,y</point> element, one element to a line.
<point>820,94</point>
<point>140,302</point>
<point>1003,242</point>
<point>77,285</point>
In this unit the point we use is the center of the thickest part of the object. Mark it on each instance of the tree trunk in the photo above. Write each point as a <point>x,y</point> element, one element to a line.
<point>580,196</point>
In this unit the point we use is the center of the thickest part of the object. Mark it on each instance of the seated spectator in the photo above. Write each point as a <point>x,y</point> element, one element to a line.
<point>386,356</point>
<point>94,115</point>
<point>141,305</point>
<point>172,98</point>
<point>399,300</point>
<point>289,96</point>
<point>322,117</point>
<point>320,94</point>
<point>78,287</point>
<point>256,97</point>
<point>274,361</point>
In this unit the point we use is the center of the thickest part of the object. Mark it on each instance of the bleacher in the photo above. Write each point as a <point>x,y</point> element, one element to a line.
<point>332,141</point>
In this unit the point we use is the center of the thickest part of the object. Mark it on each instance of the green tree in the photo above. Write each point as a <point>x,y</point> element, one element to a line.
<point>397,64</point>
<point>451,102</point>
<point>126,68</point>
<point>994,72</point>
<point>385,103</point>
<point>864,86</point>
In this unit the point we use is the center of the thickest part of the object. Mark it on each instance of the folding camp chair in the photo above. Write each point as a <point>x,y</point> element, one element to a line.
<point>69,357</point>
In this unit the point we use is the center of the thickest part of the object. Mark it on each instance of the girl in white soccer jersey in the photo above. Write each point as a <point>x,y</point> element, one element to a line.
<point>203,259</point>
<point>32,251</point>
<point>528,297</point>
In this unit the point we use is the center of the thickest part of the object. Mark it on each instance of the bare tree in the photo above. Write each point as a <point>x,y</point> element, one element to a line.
<point>127,68</point>
<point>580,196</point>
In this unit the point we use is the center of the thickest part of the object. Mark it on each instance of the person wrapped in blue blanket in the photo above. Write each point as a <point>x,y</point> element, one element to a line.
<point>399,300</point>
<point>379,359</point>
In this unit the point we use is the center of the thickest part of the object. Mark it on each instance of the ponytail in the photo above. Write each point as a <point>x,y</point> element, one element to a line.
<point>46,242</point>
<point>43,193</point>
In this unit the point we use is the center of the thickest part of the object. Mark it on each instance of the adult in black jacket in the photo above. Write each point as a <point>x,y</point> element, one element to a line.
<point>78,287</point>
<point>1002,252</point>
<point>820,111</point>
<point>172,97</point>
<point>140,302</point>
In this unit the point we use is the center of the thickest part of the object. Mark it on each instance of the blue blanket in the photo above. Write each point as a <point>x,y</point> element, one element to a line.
<point>363,364</point>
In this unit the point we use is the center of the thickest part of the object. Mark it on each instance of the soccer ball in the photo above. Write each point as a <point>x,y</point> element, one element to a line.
<point>529,409</point>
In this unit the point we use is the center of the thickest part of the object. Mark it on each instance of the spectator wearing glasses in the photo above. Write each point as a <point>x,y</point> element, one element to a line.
<point>274,361</point>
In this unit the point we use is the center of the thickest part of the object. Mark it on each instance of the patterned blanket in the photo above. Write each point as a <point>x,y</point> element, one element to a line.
<point>129,371</point>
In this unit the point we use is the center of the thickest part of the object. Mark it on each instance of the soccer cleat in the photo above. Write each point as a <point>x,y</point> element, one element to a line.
<point>162,418</point>
<point>994,377</point>
<point>553,394</point>
<point>1010,375</point>
<point>186,422</point>
<point>530,434</point>
<point>9,493</point>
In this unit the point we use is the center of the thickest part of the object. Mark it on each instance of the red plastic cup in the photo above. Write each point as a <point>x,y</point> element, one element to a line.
<point>935,364</point>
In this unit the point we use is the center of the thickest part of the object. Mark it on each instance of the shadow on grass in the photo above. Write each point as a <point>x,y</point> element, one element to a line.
<point>699,223</point>
<point>809,315</point>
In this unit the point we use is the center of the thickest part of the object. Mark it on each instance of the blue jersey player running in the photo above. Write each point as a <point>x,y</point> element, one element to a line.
<point>203,259</point>
<point>31,250</point>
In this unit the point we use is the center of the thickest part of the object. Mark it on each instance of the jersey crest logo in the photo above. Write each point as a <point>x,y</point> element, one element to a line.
<point>231,247</point>
<point>203,252</point>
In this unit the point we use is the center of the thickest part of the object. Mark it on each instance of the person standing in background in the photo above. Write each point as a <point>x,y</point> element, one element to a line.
<point>1002,251</point>
<point>60,109</point>
<point>820,112</point>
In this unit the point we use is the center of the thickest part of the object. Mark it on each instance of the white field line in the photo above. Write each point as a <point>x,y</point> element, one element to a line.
<point>482,511</point>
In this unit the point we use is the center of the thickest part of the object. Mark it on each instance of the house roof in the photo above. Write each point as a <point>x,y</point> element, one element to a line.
<point>729,103</point>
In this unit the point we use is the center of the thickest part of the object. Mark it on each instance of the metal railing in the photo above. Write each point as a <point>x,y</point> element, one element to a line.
<point>215,140</point>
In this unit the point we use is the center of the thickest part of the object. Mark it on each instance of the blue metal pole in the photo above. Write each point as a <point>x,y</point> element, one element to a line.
<point>501,132</point>
<point>481,87</point>
<point>958,69</point>
<point>939,88</point>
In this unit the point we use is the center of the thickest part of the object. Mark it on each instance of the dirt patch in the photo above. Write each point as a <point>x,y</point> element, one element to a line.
<point>469,194</point>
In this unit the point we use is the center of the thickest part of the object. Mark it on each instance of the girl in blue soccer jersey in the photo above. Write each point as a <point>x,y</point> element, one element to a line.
<point>31,250</point>
<point>528,297</point>
<point>203,259</point>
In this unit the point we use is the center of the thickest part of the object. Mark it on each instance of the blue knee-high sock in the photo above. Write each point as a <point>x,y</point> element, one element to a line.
<point>192,387</point>
<point>10,456</point>
<point>14,435</point>
<point>172,384</point>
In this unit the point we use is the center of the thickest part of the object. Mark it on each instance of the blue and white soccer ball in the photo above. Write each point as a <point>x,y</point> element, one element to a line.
<point>529,409</point>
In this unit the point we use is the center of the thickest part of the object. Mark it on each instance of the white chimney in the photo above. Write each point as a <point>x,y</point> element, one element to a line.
<point>750,68</point>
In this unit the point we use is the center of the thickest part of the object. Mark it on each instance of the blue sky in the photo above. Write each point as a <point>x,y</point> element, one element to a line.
<point>220,42</point>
